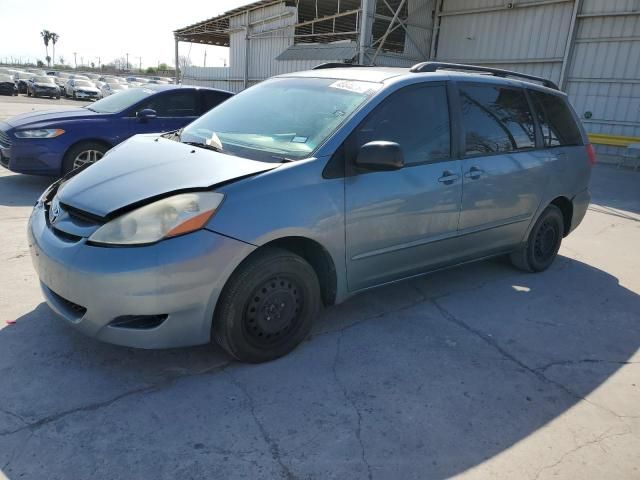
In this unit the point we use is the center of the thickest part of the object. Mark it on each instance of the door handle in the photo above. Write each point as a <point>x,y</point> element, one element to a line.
<point>448,177</point>
<point>474,173</point>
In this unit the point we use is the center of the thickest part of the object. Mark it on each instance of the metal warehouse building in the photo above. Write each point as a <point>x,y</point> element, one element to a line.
<point>591,48</point>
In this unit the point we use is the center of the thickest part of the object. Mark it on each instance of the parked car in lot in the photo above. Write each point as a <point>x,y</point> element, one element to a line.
<point>22,79</point>
<point>306,189</point>
<point>7,85</point>
<point>43,86</point>
<point>78,88</point>
<point>54,142</point>
<point>61,79</point>
<point>111,88</point>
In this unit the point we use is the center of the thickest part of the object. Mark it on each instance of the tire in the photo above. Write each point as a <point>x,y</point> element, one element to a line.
<point>70,157</point>
<point>543,243</point>
<point>28,93</point>
<point>74,95</point>
<point>267,307</point>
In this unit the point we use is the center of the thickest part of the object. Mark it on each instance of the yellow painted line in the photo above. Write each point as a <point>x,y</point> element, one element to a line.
<point>612,140</point>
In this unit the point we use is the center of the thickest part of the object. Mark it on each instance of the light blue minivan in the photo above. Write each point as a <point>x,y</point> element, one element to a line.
<point>304,190</point>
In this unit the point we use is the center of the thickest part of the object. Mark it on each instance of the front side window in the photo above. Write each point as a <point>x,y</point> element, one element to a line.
<point>281,118</point>
<point>495,120</point>
<point>417,118</point>
<point>555,119</point>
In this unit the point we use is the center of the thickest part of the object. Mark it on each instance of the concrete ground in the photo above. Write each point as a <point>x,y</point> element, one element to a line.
<point>477,372</point>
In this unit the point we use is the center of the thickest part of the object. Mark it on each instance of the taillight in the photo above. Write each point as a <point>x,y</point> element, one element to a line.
<point>591,153</point>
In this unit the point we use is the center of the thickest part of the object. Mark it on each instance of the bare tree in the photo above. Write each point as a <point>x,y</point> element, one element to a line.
<point>46,36</point>
<point>184,62</point>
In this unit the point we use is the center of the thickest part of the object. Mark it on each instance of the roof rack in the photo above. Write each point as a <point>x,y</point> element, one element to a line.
<point>322,66</point>
<point>435,66</point>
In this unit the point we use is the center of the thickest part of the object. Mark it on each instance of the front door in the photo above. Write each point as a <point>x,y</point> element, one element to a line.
<point>504,175</point>
<point>396,220</point>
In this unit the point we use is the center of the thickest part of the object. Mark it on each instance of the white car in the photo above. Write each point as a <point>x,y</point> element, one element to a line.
<point>79,88</point>
<point>111,88</point>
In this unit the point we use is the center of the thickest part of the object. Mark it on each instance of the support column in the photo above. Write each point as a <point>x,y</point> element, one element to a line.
<point>568,49</point>
<point>366,28</point>
<point>177,62</point>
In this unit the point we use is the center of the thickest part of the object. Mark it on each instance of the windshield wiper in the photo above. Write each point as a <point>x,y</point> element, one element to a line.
<point>283,159</point>
<point>90,109</point>
<point>205,146</point>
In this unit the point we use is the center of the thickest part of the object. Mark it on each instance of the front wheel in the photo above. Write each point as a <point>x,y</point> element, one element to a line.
<point>83,154</point>
<point>267,307</point>
<point>543,243</point>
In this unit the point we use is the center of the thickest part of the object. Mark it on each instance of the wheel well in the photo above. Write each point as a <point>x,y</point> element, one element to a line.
<point>318,258</point>
<point>566,207</point>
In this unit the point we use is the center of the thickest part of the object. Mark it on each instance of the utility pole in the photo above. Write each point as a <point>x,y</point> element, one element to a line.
<point>140,64</point>
<point>205,58</point>
<point>127,62</point>
<point>75,59</point>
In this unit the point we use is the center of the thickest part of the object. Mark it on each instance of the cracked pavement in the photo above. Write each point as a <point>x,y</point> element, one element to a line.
<point>477,372</point>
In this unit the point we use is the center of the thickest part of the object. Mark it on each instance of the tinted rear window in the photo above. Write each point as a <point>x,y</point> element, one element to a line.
<point>496,120</point>
<point>212,99</point>
<point>556,121</point>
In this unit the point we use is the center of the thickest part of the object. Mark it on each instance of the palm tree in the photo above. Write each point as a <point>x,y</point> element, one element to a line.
<point>46,36</point>
<point>54,39</point>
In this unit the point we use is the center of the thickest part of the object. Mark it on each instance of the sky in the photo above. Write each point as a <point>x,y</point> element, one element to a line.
<point>108,29</point>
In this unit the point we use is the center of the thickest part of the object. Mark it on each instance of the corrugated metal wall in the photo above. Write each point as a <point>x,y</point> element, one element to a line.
<point>529,38</point>
<point>604,70</point>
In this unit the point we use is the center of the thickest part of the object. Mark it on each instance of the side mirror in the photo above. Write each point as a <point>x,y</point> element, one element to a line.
<point>146,114</point>
<point>380,155</point>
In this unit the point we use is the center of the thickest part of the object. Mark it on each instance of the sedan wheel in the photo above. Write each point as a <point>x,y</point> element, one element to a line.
<point>87,157</point>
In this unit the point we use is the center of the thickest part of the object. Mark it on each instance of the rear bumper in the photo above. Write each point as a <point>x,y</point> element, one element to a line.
<point>90,287</point>
<point>580,205</point>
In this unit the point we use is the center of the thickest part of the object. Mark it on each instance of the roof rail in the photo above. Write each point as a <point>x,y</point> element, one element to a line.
<point>435,66</point>
<point>322,66</point>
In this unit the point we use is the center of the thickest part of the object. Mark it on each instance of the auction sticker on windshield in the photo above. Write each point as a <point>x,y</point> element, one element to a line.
<point>353,86</point>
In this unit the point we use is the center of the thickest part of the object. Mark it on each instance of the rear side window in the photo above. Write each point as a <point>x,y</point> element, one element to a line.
<point>212,99</point>
<point>496,120</point>
<point>174,104</point>
<point>417,118</point>
<point>555,119</point>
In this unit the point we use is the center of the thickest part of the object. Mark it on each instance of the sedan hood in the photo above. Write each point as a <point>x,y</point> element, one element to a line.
<point>147,167</point>
<point>42,84</point>
<point>49,116</point>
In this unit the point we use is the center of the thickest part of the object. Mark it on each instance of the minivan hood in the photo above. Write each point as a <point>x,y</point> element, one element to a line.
<point>148,166</point>
<point>29,118</point>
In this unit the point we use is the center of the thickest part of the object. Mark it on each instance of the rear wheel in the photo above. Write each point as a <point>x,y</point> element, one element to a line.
<point>543,243</point>
<point>84,153</point>
<point>267,307</point>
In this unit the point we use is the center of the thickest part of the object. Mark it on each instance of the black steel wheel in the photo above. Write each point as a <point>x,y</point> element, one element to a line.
<point>543,243</point>
<point>267,307</point>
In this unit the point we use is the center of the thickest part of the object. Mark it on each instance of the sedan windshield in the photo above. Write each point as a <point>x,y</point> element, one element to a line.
<point>286,118</point>
<point>82,83</point>
<point>43,80</point>
<point>121,100</point>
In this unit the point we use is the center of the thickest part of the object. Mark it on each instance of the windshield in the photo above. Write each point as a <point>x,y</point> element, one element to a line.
<point>82,83</point>
<point>5,78</point>
<point>43,79</point>
<point>283,117</point>
<point>121,100</point>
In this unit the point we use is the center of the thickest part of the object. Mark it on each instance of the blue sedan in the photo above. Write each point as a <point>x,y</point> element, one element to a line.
<point>55,142</point>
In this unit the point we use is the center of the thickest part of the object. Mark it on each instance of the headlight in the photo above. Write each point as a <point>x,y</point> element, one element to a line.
<point>39,133</point>
<point>165,218</point>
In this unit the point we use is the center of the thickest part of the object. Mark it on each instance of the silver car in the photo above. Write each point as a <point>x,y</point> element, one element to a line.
<point>302,191</point>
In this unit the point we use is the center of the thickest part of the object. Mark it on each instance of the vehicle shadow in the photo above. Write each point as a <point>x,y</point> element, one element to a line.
<point>426,378</point>
<point>22,190</point>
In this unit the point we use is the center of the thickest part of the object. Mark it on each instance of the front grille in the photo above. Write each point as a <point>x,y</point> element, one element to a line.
<point>79,309</point>
<point>4,139</point>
